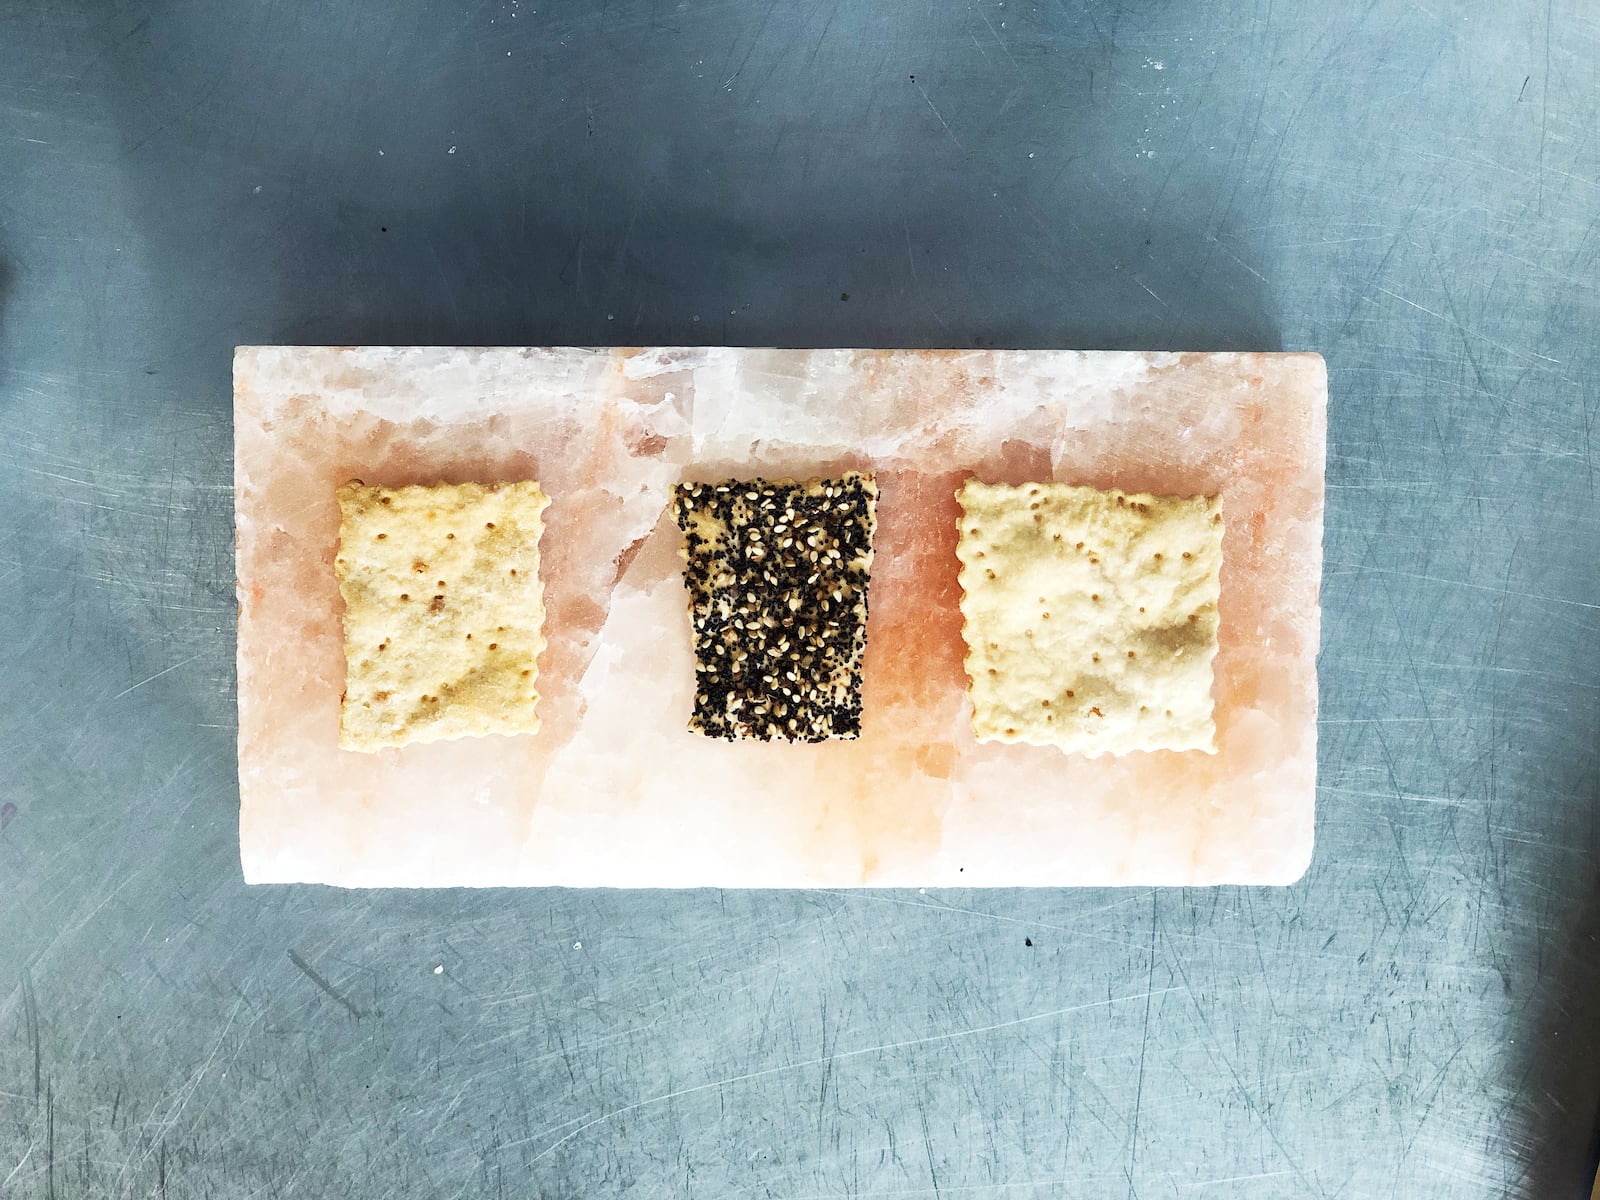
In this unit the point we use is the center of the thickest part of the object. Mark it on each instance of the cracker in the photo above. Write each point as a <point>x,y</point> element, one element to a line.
<point>1090,616</point>
<point>777,574</point>
<point>444,611</point>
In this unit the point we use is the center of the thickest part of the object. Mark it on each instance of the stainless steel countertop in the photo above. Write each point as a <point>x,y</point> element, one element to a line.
<point>1410,189</point>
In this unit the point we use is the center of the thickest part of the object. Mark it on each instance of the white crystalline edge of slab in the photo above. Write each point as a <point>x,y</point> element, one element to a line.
<point>745,397</point>
<point>425,376</point>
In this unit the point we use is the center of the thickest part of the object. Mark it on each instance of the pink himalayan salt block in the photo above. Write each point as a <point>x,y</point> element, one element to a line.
<point>615,790</point>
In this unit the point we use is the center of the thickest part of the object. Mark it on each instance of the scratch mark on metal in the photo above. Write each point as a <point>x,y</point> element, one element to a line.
<point>151,679</point>
<point>1214,1048</point>
<point>938,114</point>
<point>30,1011</point>
<point>310,973</point>
<point>1144,1046</point>
<point>784,1068</point>
<point>1544,106</point>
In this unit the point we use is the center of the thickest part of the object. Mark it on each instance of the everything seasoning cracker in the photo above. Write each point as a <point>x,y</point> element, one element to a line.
<point>777,575</point>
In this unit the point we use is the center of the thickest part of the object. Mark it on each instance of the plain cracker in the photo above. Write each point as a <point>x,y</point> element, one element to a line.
<point>444,611</point>
<point>1090,616</point>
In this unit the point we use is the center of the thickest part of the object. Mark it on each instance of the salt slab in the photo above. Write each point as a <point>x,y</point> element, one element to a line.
<point>615,790</point>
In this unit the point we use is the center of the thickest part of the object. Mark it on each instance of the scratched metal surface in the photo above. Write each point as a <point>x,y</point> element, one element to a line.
<point>1411,189</point>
